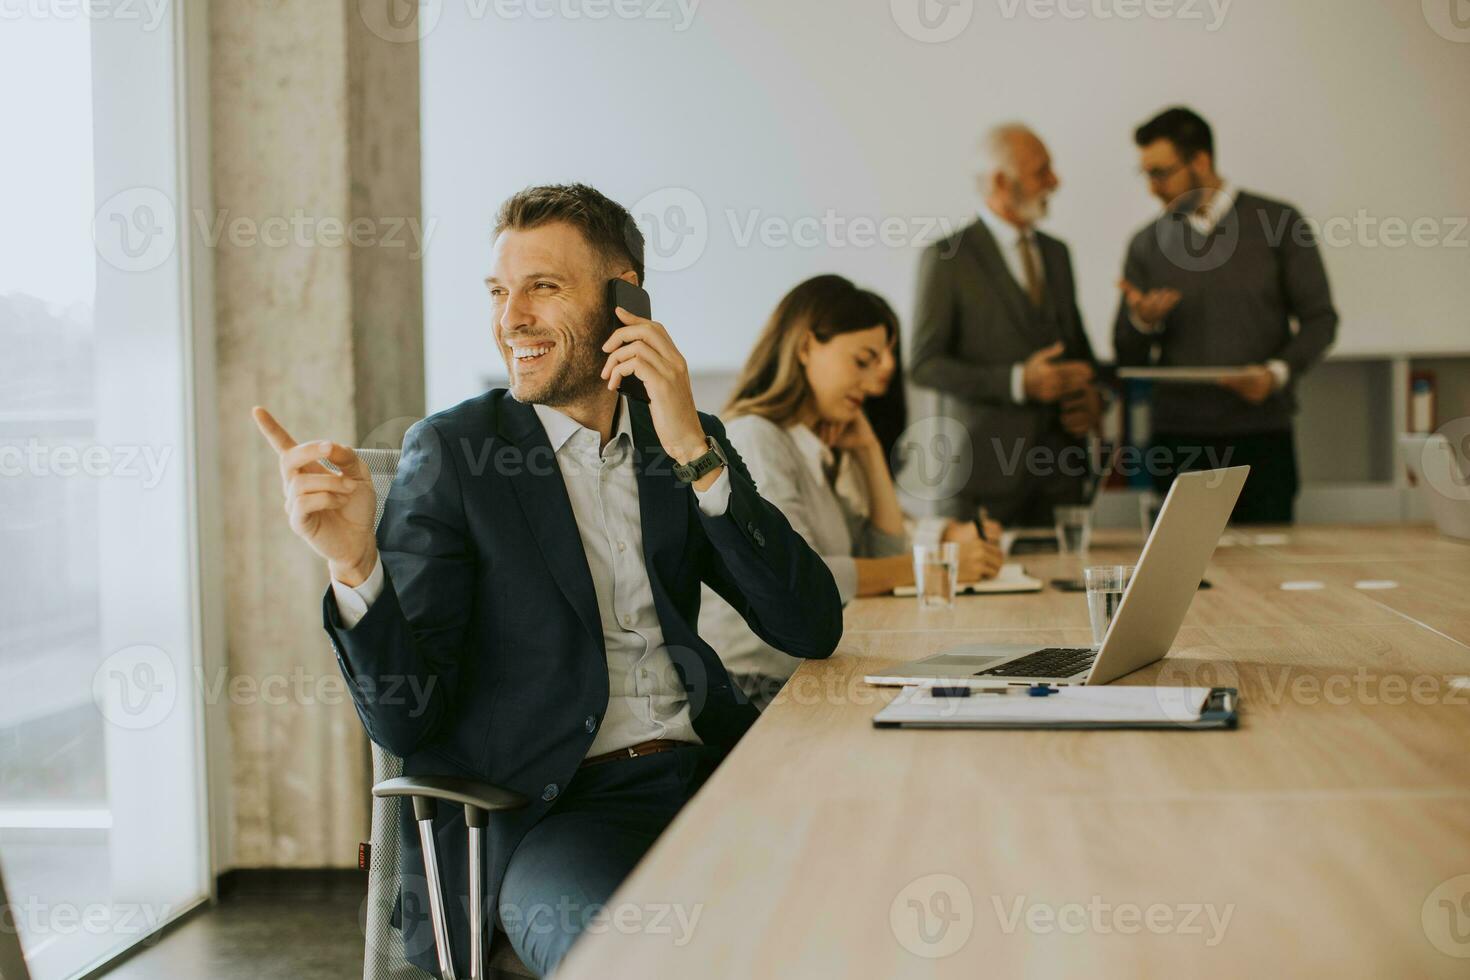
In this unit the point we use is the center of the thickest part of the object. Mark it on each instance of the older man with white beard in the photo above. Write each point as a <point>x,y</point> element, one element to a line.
<point>998,334</point>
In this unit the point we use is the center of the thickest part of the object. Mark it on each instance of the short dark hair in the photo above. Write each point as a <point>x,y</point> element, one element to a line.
<point>1185,128</point>
<point>606,224</point>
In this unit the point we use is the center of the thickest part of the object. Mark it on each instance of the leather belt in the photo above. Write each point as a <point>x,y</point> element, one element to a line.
<point>651,747</point>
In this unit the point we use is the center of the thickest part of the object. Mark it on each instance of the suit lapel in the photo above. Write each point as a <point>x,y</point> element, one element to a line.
<point>543,498</point>
<point>663,502</point>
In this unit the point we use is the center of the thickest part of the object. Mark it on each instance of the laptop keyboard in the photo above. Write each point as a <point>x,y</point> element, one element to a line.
<point>1051,662</point>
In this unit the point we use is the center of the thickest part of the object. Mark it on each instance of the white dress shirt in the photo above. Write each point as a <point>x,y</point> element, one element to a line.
<point>1204,221</point>
<point>1008,239</point>
<point>646,698</point>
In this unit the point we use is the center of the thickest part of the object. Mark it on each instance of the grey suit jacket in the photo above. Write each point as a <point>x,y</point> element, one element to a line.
<point>974,322</point>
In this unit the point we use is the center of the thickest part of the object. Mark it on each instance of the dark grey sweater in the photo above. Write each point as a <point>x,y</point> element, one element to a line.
<point>1258,270</point>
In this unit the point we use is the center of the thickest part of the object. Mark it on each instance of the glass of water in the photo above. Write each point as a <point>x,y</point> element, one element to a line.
<point>936,573</point>
<point>1074,531</point>
<point>1105,587</point>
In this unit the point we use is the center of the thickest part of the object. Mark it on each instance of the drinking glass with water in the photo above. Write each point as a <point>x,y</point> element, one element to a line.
<point>1105,587</point>
<point>936,574</point>
<point>1074,530</point>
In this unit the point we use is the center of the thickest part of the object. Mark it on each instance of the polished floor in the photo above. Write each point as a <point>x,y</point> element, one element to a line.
<point>301,925</point>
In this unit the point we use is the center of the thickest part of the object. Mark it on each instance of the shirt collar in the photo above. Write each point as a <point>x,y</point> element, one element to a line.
<point>814,451</point>
<point>1005,232</point>
<point>1220,204</point>
<point>560,428</point>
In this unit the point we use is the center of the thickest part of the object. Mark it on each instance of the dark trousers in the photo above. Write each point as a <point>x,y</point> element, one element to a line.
<point>1032,510</point>
<point>1055,471</point>
<point>563,872</point>
<point>1269,494</point>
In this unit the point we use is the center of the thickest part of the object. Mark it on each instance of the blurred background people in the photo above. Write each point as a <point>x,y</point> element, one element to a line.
<point>1218,280</point>
<point>998,335</point>
<point>797,420</point>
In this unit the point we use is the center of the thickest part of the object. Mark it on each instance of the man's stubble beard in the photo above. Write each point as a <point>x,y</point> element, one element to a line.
<point>1188,202</point>
<point>581,375</point>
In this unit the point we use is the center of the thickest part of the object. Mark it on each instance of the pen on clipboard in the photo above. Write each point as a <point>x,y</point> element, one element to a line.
<point>964,691</point>
<point>980,518</point>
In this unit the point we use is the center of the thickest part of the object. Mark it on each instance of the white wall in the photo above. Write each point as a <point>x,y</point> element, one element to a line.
<point>791,110</point>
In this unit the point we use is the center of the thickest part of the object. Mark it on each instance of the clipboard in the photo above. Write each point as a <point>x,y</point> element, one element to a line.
<point>1060,709</point>
<point>1183,374</point>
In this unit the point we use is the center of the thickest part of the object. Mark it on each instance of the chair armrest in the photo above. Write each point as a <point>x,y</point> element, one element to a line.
<point>452,789</point>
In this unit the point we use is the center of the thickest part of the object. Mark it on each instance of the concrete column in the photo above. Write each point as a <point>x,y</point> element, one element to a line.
<point>317,240</point>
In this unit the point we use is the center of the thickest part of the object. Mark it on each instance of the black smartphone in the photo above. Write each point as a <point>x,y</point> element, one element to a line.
<point>634,299</point>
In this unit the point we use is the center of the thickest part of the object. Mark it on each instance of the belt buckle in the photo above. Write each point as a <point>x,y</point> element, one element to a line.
<point>632,751</point>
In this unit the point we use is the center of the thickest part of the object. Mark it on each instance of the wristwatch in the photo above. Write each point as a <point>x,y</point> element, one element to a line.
<point>694,469</point>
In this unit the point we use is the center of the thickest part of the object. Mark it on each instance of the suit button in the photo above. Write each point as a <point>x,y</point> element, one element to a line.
<point>591,723</point>
<point>549,793</point>
<point>757,536</point>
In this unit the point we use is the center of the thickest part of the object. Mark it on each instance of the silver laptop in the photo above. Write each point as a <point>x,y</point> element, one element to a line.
<point>1441,479</point>
<point>1152,609</point>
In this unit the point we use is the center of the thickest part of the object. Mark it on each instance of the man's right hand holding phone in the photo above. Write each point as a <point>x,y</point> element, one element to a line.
<point>330,512</point>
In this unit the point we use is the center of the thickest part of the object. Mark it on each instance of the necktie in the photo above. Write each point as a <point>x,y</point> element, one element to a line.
<point>1032,270</point>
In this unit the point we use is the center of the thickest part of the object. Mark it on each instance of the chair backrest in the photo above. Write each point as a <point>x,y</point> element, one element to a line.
<point>382,465</point>
<point>383,957</point>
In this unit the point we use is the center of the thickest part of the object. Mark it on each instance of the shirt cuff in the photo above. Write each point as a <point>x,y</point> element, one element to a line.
<point>1151,329</point>
<point>1018,383</point>
<point>1282,372</point>
<point>353,601</point>
<point>716,500</point>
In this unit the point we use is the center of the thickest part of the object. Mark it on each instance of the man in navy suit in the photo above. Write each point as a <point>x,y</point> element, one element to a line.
<point>526,612</point>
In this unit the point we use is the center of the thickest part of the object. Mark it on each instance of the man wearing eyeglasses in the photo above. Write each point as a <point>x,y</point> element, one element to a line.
<point>1222,278</point>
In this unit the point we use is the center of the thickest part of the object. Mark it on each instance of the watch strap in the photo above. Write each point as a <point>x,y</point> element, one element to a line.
<point>694,469</point>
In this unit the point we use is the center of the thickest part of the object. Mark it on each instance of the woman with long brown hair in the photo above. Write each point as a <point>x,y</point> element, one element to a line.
<point>797,419</point>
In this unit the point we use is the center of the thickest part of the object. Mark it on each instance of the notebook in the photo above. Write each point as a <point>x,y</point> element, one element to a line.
<point>1061,707</point>
<point>1012,577</point>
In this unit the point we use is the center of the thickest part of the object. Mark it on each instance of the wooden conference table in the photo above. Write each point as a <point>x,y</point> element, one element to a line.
<point>1328,836</point>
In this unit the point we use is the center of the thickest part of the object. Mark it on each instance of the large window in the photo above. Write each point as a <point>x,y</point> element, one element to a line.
<point>101,818</point>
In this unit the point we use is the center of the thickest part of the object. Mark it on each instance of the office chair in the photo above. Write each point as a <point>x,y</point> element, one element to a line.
<point>383,957</point>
